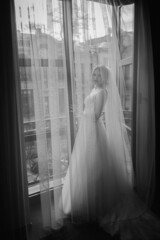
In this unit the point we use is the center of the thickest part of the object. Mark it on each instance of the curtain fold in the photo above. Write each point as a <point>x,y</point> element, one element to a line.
<point>143,106</point>
<point>15,217</point>
<point>46,101</point>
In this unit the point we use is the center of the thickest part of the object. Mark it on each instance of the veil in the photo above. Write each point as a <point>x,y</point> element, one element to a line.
<point>128,205</point>
<point>118,140</point>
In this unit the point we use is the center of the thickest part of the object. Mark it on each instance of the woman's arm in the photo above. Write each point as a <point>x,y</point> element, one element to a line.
<point>100,100</point>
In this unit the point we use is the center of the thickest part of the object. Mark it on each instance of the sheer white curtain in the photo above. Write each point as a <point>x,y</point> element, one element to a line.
<point>123,43</point>
<point>44,94</point>
<point>102,35</point>
<point>60,42</point>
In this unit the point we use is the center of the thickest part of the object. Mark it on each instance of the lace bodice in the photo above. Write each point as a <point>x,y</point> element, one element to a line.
<point>90,103</point>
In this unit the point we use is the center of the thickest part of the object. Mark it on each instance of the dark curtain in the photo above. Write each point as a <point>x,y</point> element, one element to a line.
<point>14,208</point>
<point>143,105</point>
<point>154,13</point>
<point>152,10</point>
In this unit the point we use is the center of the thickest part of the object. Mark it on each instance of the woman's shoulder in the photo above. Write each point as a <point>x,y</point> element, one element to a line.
<point>100,95</point>
<point>102,92</point>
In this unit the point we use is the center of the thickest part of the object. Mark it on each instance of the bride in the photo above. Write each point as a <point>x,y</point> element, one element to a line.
<point>98,186</point>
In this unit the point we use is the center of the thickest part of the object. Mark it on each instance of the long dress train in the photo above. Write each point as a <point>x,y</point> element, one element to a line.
<point>96,188</point>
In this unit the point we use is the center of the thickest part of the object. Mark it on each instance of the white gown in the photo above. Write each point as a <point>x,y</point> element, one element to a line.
<point>97,189</point>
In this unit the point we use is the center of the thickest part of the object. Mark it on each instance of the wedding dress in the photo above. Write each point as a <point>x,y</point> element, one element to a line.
<point>98,185</point>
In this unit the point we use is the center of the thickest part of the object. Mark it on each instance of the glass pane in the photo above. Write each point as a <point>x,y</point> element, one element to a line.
<point>92,45</point>
<point>126,30</point>
<point>126,50</point>
<point>93,34</point>
<point>43,89</point>
<point>43,73</point>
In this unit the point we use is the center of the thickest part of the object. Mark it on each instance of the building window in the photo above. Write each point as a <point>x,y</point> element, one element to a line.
<point>24,43</point>
<point>46,105</point>
<point>25,74</point>
<point>45,77</point>
<point>24,62</point>
<point>31,159</point>
<point>44,62</point>
<point>60,74</point>
<point>44,45</point>
<point>61,95</point>
<point>28,105</point>
<point>29,128</point>
<point>48,139</point>
<point>62,128</point>
<point>83,82</point>
<point>58,62</point>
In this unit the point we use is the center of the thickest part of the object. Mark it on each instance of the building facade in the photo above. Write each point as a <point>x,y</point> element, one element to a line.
<point>45,95</point>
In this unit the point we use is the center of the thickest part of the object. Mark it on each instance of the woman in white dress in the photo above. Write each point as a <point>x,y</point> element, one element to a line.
<point>99,181</point>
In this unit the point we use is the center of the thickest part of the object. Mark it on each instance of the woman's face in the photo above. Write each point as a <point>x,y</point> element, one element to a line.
<point>97,80</point>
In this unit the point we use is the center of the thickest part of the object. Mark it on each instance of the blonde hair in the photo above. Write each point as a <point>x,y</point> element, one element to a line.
<point>105,73</point>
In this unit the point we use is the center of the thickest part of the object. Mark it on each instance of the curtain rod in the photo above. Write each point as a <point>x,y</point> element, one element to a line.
<point>111,2</point>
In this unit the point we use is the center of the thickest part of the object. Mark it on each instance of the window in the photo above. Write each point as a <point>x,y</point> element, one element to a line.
<point>24,62</point>
<point>83,82</point>
<point>47,91</point>
<point>44,62</point>
<point>61,96</point>
<point>28,105</point>
<point>24,43</point>
<point>44,88</point>
<point>62,128</point>
<point>45,77</point>
<point>31,159</point>
<point>46,105</point>
<point>126,29</point>
<point>44,45</point>
<point>60,74</point>
<point>59,62</point>
<point>25,73</point>
<point>48,139</point>
<point>29,128</point>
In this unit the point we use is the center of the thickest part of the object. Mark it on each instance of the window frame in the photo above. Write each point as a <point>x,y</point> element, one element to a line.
<point>69,53</point>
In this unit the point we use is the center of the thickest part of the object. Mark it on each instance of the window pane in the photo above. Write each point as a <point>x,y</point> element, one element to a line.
<point>126,30</point>
<point>126,50</point>
<point>93,33</point>
<point>46,103</point>
<point>60,74</point>
<point>44,62</point>
<point>43,88</point>
<point>28,105</point>
<point>25,73</point>
<point>24,62</point>
<point>61,101</point>
<point>45,77</point>
<point>92,45</point>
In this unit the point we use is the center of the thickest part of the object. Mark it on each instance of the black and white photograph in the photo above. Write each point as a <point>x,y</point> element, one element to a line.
<point>80,99</point>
